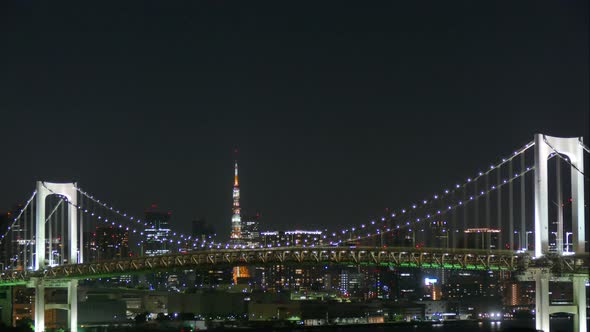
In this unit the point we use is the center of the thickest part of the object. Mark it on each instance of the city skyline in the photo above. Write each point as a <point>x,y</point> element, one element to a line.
<point>401,166</point>
<point>352,113</point>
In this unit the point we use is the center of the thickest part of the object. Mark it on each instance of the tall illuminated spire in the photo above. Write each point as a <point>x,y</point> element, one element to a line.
<point>236,219</point>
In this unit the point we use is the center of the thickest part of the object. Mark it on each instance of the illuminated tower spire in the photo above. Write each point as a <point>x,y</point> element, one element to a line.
<point>236,219</point>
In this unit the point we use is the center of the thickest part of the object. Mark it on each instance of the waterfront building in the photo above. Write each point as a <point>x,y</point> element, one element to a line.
<point>156,232</point>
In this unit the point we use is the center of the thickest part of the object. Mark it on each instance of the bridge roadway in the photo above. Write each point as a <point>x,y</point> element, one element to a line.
<point>468,259</point>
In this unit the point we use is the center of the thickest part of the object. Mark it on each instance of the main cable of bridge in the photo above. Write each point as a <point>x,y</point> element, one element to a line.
<point>179,237</point>
<point>450,208</point>
<point>566,159</point>
<point>17,218</point>
<point>437,197</point>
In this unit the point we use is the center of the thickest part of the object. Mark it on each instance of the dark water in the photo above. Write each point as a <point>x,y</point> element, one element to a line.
<point>558,324</point>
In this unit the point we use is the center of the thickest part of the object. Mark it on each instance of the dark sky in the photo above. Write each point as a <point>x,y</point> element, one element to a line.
<point>338,111</point>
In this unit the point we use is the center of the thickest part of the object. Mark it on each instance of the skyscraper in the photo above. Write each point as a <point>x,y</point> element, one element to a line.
<point>156,232</point>
<point>111,242</point>
<point>250,230</point>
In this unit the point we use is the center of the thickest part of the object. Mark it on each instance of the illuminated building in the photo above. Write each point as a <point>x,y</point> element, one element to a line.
<point>519,295</point>
<point>111,242</point>
<point>250,230</point>
<point>156,232</point>
<point>290,238</point>
<point>281,277</point>
<point>482,238</point>
<point>433,289</point>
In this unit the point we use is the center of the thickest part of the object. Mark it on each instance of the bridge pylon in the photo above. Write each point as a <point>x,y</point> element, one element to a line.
<point>69,191</point>
<point>571,147</point>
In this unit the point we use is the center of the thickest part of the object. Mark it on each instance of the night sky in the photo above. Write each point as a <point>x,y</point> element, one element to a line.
<point>338,111</point>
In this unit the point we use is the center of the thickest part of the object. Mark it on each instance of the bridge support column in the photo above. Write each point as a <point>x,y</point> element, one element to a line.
<point>73,305</point>
<point>39,305</point>
<point>542,300</point>
<point>580,323</point>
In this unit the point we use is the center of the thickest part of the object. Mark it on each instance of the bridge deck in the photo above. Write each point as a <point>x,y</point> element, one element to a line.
<point>379,256</point>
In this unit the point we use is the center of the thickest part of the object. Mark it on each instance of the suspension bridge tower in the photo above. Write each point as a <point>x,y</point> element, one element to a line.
<point>69,192</point>
<point>572,149</point>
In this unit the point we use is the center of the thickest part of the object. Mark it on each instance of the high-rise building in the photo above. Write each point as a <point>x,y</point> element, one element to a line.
<point>111,242</point>
<point>156,232</point>
<point>250,230</point>
<point>236,219</point>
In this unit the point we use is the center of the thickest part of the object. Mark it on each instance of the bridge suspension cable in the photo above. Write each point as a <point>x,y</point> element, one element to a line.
<point>445,192</point>
<point>566,159</point>
<point>179,238</point>
<point>459,204</point>
<point>17,218</point>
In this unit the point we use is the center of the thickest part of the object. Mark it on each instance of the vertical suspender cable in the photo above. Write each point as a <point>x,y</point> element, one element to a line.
<point>476,205</point>
<point>50,237</point>
<point>523,234</point>
<point>63,234</point>
<point>465,216</point>
<point>510,207</point>
<point>499,207</point>
<point>11,245</point>
<point>488,236</point>
<point>453,230</point>
<point>25,238</point>
<point>81,227</point>
<point>559,239</point>
<point>32,228</point>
